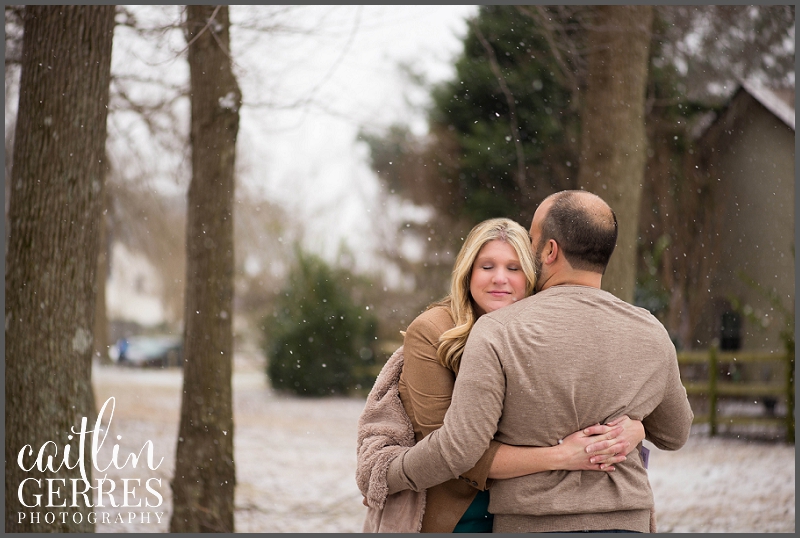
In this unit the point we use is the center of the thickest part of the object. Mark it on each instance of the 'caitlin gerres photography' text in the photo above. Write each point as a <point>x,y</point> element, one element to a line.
<point>132,499</point>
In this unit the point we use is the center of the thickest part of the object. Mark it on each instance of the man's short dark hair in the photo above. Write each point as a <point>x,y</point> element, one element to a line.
<point>585,233</point>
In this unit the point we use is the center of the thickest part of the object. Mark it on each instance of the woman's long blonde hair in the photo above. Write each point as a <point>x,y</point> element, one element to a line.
<point>459,301</point>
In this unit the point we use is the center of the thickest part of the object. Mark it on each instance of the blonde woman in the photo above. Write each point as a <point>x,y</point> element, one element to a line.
<point>493,269</point>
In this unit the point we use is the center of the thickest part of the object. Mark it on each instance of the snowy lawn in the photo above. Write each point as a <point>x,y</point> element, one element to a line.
<point>295,463</point>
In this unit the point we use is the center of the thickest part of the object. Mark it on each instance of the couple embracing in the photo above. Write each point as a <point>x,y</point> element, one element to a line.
<point>519,402</point>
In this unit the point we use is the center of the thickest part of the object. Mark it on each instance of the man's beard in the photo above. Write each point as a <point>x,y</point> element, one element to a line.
<point>537,266</point>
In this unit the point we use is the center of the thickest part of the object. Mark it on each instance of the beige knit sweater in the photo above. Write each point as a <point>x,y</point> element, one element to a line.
<point>538,370</point>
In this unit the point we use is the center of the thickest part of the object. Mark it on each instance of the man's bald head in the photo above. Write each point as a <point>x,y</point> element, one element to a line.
<point>583,225</point>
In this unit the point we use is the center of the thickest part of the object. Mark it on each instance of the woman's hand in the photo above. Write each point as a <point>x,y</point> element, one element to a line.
<point>610,445</point>
<point>599,447</point>
<point>606,449</point>
<point>596,448</point>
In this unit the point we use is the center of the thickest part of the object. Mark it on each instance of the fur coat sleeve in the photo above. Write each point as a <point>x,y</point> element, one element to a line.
<point>385,432</point>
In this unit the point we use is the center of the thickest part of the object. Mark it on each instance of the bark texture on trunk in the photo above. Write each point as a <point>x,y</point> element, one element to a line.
<point>203,485</point>
<point>100,313</point>
<point>55,207</point>
<point>613,137</point>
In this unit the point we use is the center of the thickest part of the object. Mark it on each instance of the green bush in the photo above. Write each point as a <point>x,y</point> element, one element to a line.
<point>319,341</point>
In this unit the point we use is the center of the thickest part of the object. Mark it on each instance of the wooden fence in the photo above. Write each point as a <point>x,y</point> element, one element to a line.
<point>716,376</point>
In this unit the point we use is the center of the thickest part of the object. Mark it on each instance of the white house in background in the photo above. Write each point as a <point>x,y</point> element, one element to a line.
<point>133,289</point>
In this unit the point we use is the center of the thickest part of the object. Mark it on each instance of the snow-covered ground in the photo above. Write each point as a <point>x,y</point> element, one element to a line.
<point>295,463</point>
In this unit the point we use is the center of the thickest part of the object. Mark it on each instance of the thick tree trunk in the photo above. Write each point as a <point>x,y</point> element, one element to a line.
<point>56,183</point>
<point>100,313</point>
<point>203,485</point>
<point>613,138</point>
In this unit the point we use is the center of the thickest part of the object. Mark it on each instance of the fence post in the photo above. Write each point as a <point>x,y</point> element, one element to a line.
<point>790,391</point>
<point>712,390</point>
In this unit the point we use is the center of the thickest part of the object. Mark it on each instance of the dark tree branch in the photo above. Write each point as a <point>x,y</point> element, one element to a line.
<point>519,177</point>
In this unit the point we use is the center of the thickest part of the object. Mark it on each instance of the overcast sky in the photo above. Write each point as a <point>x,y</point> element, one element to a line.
<point>309,83</point>
<point>307,158</point>
<point>341,63</point>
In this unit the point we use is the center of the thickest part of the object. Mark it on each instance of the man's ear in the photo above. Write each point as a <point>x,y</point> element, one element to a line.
<point>551,252</point>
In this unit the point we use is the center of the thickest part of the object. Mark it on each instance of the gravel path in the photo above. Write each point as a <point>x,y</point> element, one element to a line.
<point>295,463</point>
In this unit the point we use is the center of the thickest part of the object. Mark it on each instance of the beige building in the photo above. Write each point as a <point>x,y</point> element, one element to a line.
<point>751,150</point>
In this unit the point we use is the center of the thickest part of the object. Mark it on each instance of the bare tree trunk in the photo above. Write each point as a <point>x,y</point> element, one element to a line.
<point>613,138</point>
<point>100,313</point>
<point>203,485</point>
<point>56,182</point>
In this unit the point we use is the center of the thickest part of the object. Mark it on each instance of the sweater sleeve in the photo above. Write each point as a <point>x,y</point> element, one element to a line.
<point>669,424</point>
<point>430,386</point>
<point>478,476</point>
<point>469,424</point>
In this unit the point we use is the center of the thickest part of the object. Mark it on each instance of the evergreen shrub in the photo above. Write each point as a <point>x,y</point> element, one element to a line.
<point>319,341</point>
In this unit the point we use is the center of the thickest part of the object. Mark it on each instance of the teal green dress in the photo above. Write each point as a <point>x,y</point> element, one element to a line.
<point>477,517</point>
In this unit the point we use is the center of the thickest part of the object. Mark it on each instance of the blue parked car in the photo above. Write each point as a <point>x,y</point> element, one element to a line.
<point>159,351</point>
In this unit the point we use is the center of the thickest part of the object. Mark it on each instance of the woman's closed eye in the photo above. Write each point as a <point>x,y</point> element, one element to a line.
<point>508,268</point>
